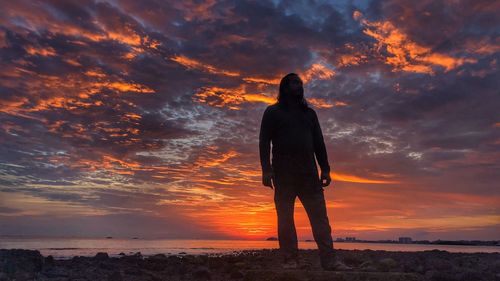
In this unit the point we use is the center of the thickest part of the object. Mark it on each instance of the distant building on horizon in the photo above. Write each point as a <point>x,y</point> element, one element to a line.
<point>351,239</point>
<point>405,240</point>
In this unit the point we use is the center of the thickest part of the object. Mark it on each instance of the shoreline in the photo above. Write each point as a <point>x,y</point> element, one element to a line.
<point>67,248</point>
<point>247,265</point>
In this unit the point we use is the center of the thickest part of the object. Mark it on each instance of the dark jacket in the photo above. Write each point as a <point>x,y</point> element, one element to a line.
<point>296,137</point>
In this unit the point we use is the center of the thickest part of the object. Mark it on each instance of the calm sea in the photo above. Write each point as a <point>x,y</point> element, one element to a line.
<point>63,248</point>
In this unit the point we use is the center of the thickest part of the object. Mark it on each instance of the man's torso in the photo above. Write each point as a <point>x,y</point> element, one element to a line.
<point>293,143</point>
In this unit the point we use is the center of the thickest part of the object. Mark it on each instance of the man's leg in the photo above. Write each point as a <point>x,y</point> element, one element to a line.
<point>314,203</point>
<point>284,200</point>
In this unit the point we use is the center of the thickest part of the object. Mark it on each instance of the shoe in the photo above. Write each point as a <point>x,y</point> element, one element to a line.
<point>335,265</point>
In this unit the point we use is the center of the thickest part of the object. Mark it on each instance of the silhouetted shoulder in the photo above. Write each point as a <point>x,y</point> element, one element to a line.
<point>271,108</point>
<point>311,112</point>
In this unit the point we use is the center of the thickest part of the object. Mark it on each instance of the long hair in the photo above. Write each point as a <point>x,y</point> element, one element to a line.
<point>284,95</point>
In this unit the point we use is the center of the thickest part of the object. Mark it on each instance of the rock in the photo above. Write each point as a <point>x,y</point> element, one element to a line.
<point>239,264</point>
<point>353,259</point>
<point>215,263</point>
<point>233,259</point>
<point>101,256</point>
<point>158,262</point>
<point>420,268</point>
<point>200,260</point>
<point>19,262</point>
<point>474,275</point>
<point>135,256</point>
<point>132,259</point>
<point>115,276</point>
<point>228,268</point>
<point>441,264</point>
<point>132,270</point>
<point>429,274</point>
<point>106,265</point>
<point>288,277</point>
<point>257,266</point>
<point>236,274</point>
<point>435,275</point>
<point>387,264</point>
<point>182,269</point>
<point>158,257</point>
<point>56,272</point>
<point>202,273</point>
<point>188,259</point>
<point>253,265</point>
<point>173,260</point>
<point>49,261</point>
<point>367,266</point>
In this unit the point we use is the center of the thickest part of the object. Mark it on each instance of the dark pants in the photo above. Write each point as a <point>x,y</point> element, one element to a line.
<point>310,193</point>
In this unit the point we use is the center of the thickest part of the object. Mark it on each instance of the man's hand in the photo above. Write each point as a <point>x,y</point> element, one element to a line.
<point>325,176</point>
<point>267,179</point>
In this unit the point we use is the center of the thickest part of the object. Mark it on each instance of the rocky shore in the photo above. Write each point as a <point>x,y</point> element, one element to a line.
<point>262,265</point>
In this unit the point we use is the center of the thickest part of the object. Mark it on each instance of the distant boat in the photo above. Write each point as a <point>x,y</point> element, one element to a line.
<point>272,239</point>
<point>135,238</point>
<point>109,237</point>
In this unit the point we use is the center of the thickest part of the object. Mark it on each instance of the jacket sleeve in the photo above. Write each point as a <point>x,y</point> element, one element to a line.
<point>265,142</point>
<point>319,146</point>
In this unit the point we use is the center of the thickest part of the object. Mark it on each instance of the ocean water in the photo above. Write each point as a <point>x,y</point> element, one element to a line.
<point>63,248</point>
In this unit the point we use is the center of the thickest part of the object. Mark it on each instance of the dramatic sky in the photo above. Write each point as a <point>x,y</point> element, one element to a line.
<point>141,118</point>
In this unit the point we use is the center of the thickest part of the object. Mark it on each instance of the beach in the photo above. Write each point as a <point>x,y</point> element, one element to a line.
<point>247,265</point>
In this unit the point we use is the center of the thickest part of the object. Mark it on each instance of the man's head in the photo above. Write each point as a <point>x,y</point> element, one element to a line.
<point>291,90</point>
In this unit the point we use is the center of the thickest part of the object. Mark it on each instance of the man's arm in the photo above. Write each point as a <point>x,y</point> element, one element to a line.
<point>265,142</point>
<point>319,146</point>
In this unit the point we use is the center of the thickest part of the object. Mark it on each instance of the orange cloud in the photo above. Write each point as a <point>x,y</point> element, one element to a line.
<point>194,64</point>
<point>232,98</point>
<point>48,51</point>
<point>260,98</point>
<point>124,87</point>
<point>407,55</point>
<point>317,71</point>
<point>69,92</point>
<point>214,159</point>
<point>221,97</point>
<point>350,59</point>
<point>193,10</point>
<point>321,103</point>
<point>483,46</point>
<point>357,179</point>
<point>275,81</point>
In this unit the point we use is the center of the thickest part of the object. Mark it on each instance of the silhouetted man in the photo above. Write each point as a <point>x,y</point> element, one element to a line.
<point>294,130</point>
